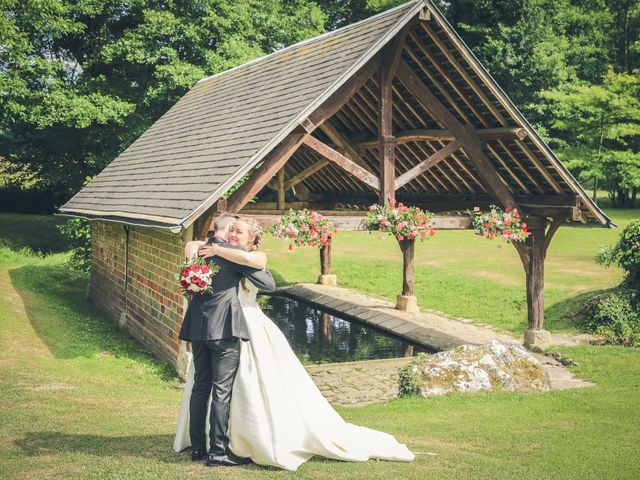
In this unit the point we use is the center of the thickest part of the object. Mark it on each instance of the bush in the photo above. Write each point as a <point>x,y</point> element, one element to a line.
<point>626,254</point>
<point>79,231</point>
<point>614,315</point>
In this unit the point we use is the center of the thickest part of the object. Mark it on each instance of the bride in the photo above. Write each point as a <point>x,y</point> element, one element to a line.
<point>278,416</point>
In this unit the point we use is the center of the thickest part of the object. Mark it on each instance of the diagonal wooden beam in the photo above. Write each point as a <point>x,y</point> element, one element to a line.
<point>306,173</point>
<point>270,166</point>
<point>466,134</point>
<point>343,162</point>
<point>336,137</point>
<point>425,165</point>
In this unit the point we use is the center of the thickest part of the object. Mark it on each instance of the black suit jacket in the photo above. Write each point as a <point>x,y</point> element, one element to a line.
<point>219,315</point>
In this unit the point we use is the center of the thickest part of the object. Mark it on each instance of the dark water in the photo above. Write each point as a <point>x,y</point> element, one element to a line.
<point>319,337</point>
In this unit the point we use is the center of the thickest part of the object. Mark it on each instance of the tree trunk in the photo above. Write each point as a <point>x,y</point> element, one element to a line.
<point>408,249</point>
<point>634,197</point>
<point>325,259</point>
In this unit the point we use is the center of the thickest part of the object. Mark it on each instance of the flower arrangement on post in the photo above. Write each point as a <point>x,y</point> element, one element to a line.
<point>406,224</point>
<point>306,227</point>
<point>196,275</point>
<point>506,225</point>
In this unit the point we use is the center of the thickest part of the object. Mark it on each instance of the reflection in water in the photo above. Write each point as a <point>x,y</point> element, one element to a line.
<point>318,337</point>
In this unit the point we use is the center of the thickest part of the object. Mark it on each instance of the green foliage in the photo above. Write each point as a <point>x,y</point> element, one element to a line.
<point>625,254</point>
<point>408,385</point>
<point>597,129</point>
<point>78,230</point>
<point>82,79</point>
<point>614,315</point>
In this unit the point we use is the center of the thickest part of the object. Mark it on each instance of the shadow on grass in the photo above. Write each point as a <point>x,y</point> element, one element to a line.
<point>71,327</point>
<point>147,446</point>
<point>151,447</point>
<point>565,314</point>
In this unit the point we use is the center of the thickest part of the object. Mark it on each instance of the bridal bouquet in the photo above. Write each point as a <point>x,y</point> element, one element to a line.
<point>304,227</point>
<point>400,221</point>
<point>196,275</point>
<point>506,225</point>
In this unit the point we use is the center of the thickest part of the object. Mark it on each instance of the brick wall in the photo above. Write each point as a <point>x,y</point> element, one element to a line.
<point>153,303</point>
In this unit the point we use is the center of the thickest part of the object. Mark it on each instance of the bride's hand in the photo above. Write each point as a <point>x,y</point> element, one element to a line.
<point>208,250</point>
<point>191,248</point>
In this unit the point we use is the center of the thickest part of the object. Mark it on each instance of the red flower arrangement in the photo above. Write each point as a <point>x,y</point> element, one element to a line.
<point>304,227</point>
<point>196,276</point>
<point>506,225</point>
<point>402,222</point>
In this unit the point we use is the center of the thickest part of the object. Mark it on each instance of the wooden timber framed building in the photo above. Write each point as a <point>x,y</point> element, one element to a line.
<point>395,106</point>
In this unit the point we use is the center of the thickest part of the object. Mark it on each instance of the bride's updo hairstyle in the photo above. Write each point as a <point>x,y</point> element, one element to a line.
<point>255,232</point>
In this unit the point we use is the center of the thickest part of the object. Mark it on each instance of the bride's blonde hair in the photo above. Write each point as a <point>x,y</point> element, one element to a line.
<point>255,233</point>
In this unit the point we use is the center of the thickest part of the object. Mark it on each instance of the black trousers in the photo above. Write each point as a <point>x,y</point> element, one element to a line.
<point>216,364</point>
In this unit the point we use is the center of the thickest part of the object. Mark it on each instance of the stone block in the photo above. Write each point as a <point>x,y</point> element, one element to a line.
<point>407,303</point>
<point>536,338</point>
<point>329,280</point>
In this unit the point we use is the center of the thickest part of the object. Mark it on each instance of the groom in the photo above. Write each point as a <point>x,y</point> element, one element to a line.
<point>215,325</point>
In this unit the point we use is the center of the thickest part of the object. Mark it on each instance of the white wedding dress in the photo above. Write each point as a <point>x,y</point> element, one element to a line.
<point>278,416</point>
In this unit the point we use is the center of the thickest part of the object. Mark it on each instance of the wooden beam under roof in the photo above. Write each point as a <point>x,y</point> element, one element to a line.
<point>425,165</point>
<point>471,144</point>
<point>343,162</point>
<point>432,135</point>
<point>270,166</point>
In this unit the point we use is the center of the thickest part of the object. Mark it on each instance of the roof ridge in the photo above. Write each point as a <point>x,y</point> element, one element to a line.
<point>310,40</point>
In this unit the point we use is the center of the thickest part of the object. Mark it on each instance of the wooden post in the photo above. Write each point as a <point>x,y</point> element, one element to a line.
<point>386,141</point>
<point>533,253</point>
<point>407,301</point>
<point>326,277</point>
<point>535,281</point>
<point>281,191</point>
<point>407,349</point>
<point>408,250</point>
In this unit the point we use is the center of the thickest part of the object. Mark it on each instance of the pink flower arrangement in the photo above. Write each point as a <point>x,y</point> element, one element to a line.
<point>304,227</point>
<point>195,276</point>
<point>402,222</point>
<point>506,225</point>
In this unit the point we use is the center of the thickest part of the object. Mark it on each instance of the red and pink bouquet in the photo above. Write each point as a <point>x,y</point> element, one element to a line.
<point>400,221</point>
<point>304,227</point>
<point>506,225</point>
<point>196,275</point>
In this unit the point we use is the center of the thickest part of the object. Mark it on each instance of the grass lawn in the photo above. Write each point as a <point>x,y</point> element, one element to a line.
<point>461,274</point>
<point>78,399</point>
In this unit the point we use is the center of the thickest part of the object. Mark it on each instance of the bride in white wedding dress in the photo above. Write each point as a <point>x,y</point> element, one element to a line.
<point>278,416</point>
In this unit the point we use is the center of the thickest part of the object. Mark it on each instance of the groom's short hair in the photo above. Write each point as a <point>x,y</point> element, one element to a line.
<point>223,221</point>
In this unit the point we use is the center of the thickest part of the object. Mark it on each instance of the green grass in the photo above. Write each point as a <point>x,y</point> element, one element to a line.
<point>464,275</point>
<point>35,232</point>
<point>78,399</point>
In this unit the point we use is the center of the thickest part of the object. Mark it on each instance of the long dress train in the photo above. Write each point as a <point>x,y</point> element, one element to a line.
<point>278,416</point>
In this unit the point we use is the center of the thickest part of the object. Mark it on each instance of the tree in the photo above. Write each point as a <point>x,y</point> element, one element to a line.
<point>596,129</point>
<point>82,79</point>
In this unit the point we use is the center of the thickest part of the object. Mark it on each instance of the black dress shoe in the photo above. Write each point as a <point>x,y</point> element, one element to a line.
<point>197,455</point>
<point>227,460</point>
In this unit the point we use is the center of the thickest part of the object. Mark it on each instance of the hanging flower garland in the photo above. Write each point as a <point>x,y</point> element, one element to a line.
<point>506,225</point>
<point>402,222</point>
<point>304,227</point>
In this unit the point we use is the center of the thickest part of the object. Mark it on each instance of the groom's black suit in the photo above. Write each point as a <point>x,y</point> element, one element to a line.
<point>214,324</point>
